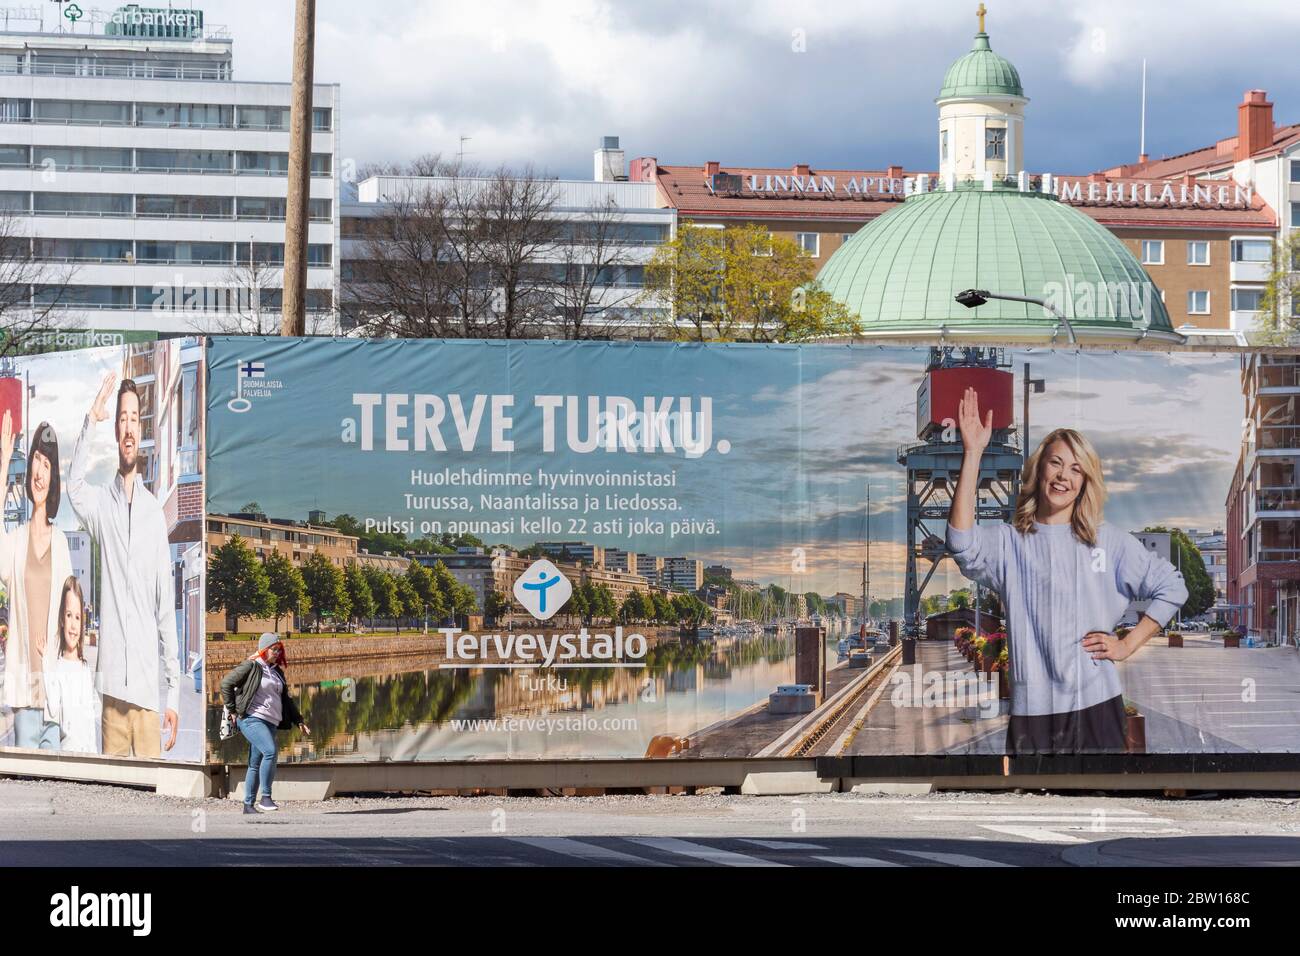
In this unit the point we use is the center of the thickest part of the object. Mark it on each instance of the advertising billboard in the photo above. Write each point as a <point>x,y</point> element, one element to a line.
<point>101,552</point>
<point>567,550</point>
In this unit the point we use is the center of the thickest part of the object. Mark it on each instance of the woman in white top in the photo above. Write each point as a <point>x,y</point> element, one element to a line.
<point>70,699</point>
<point>34,560</point>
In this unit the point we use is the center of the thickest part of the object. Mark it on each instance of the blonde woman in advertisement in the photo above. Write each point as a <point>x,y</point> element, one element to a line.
<point>70,698</point>
<point>34,562</point>
<point>1065,578</point>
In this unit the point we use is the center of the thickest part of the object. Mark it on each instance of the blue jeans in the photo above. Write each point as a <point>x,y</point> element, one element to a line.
<point>261,756</point>
<point>33,731</point>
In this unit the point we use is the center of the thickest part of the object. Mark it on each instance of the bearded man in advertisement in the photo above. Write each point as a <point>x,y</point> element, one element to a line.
<point>137,636</point>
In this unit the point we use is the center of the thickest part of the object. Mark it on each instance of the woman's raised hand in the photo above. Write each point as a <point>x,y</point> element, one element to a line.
<point>975,434</point>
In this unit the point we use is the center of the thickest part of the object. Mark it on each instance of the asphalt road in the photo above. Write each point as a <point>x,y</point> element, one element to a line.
<point>46,823</point>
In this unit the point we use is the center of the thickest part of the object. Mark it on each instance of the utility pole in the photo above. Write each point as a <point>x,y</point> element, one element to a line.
<point>293,320</point>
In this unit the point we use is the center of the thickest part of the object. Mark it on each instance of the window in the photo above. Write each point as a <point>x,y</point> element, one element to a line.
<point>272,254</point>
<point>185,115</point>
<point>1252,250</point>
<point>80,112</point>
<point>1246,300</point>
<point>184,207</point>
<point>1295,215</point>
<point>1198,302</point>
<point>808,243</point>
<point>185,160</point>
<point>264,117</point>
<point>82,204</point>
<point>82,157</point>
<point>84,250</point>
<point>15,111</point>
<point>84,296</point>
<point>1153,252</point>
<point>845,237</point>
<point>197,253</point>
<point>1198,253</point>
<point>15,155</point>
<point>943,146</point>
<point>322,119</point>
<point>1295,170</point>
<point>995,143</point>
<point>187,422</point>
<point>15,202</point>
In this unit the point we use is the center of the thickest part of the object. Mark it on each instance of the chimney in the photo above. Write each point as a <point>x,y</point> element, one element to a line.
<point>644,169</point>
<point>711,169</point>
<point>610,166</point>
<point>1143,159</point>
<point>1254,125</point>
<point>895,172</point>
<point>800,169</point>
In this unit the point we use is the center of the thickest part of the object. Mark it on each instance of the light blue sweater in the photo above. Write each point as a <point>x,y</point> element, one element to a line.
<point>1055,589</point>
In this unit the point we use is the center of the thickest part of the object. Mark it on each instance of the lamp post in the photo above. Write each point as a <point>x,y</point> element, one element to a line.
<point>974,298</point>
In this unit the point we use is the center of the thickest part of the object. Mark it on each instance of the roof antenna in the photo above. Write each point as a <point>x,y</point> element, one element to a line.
<point>1142,141</point>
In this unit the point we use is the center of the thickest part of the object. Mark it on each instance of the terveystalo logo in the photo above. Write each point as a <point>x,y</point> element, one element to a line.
<point>543,590</point>
<point>75,908</point>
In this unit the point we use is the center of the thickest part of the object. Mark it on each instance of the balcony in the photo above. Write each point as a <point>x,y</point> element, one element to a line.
<point>1278,437</point>
<point>1277,499</point>
<point>1279,376</point>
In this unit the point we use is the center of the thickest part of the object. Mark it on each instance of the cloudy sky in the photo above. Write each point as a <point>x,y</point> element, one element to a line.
<point>834,83</point>
<point>807,429</point>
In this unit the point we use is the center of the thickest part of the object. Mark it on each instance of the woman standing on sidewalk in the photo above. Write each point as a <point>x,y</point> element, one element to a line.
<point>257,693</point>
<point>1065,578</point>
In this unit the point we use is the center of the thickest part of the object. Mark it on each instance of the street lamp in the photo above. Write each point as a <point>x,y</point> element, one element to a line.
<point>974,298</point>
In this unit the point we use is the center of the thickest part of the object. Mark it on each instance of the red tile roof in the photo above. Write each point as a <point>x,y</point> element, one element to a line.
<point>1207,158</point>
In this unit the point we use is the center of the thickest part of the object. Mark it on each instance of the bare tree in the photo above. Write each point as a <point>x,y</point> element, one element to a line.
<point>516,230</point>
<point>593,296</point>
<point>36,294</point>
<point>247,303</point>
<point>421,273</point>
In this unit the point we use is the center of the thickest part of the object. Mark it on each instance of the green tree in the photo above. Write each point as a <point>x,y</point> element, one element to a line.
<point>1278,320</point>
<point>361,601</point>
<point>1187,557</point>
<point>458,600</point>
<point>421,581</point>
<point>497,607</point>
<point>287,588</point>
<point>741,283</point>
<point>326,590</point>
<point>412,603</point>
<point>237,584</point>
<point>383,587</point>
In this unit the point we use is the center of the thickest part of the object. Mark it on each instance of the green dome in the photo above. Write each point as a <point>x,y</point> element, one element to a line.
<point>981,72</point>
<point>900,273</point>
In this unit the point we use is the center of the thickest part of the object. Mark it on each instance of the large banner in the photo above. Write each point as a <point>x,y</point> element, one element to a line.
<point>101,552</point>
<point>591,550</point>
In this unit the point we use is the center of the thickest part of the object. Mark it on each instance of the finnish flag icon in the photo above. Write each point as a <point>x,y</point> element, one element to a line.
<point>542,590</point>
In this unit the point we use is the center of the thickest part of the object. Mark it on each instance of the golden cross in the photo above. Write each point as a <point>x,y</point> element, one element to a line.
<point>980,13</point>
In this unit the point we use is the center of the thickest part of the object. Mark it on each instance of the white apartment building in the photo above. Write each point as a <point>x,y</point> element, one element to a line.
<point>638,225</point>
<point>151,183</point>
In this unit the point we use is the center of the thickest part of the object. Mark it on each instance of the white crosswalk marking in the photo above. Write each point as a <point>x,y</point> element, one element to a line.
<point>953,859</point>
<point>855,861</point>
<point>700,852</point>
<point>1037,834</point>
<point>587,852</point>
<point>1051,824</point>
<point>783,845</point>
